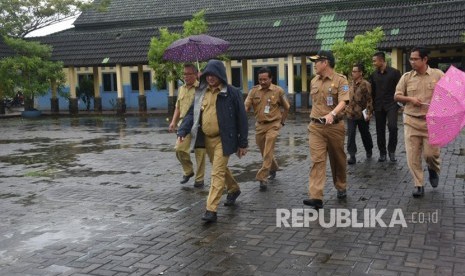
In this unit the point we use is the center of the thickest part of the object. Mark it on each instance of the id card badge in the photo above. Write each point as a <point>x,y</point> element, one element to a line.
<point>329,100</point>
<point>267,109</point>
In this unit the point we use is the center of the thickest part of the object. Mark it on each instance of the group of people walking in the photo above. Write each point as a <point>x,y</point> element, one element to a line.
<point>211,119</point>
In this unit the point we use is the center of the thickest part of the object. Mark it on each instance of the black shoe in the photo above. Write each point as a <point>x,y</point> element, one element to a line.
<point>342,194</point>
<point>199,184</point>
<point>382,158</point>
<point>315,203</point>
<point>369,154</point>
<point>433,178</point>
<point>263,186</point>
<point>352,160</point>
<point>392,156</point>
<point>418,192</point>
<point>209,216</point>
<point>231,198</point>
<point>272,175</point>
<point>186,178</point>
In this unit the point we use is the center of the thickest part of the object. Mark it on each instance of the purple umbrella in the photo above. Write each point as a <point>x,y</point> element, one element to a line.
<point>195,48</point>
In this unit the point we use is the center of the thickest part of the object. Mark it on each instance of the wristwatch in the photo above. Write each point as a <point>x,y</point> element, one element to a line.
<point>333,113</point>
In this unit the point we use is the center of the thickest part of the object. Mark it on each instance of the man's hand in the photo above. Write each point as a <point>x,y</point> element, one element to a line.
<point>415,101</point>
<point>329,118</point>
<point>172,127</point>
<point>180,139</point>
<point>241,152</point>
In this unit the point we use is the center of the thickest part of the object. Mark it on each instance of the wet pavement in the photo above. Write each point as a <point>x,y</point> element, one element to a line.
<point>101,196</point>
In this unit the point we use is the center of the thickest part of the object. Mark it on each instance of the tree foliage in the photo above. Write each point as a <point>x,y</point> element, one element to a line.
<point>168,70</point>
<point>29,70</point>
<point>20,17</point>
<point>360,50</point>
<point>85,91</point>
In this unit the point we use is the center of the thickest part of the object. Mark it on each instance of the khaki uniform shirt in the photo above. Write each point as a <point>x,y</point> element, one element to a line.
<point>413,84</point>
<point>259,98</point>
<point>209,117</point>
<point>335,86</point>
<point>185,99</point>
<point>360,99</point>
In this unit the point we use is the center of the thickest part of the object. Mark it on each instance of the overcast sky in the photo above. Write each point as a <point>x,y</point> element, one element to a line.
<point>53,28</point>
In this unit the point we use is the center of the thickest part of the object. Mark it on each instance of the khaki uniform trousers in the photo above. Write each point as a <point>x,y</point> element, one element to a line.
<point>326,140</point>
<point>265,138</point>
<point>184,157</point>
<point>416,143</point>
<point>220,174</point>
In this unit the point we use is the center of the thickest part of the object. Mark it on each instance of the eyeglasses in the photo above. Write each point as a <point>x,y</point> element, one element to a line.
<point>355,71</point>
<point>189,74</point>
<point>414,59</point>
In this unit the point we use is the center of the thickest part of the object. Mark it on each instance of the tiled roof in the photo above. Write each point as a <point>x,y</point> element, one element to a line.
<point>434,24</point>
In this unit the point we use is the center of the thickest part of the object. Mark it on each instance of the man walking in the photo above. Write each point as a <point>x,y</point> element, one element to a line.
<point>185,98</point>
<point>359,111</point>
<point>415,89</point>
<point>217,106</point>
<point>330,94</point>
<point>270,108</point>
<point>383,83</point>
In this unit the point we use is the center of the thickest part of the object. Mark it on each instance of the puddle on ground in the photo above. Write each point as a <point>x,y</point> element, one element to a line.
<point>27,201</point>
<point>8,195</point>
<point>168,210</point>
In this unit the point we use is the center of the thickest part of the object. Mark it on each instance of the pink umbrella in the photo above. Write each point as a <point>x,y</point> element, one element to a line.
<point>446,113</point>
<point>195,48</point>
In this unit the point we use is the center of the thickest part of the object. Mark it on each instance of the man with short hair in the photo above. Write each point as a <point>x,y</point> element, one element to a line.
<point>359,111</point>
<point>217,119</point>
<point>270,108</point>
<point>383,84</point>
<point>185,98</point>
<point>330,94</point>
<point>415,90</point>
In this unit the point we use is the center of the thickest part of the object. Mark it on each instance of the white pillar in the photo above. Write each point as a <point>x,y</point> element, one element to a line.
<point>304,73</point>
<point>290,74</point>
<point>228,71</point>
<point>119,80</point>
<point>140,74</point>
<point>72,82</point>
<point>245,79</point>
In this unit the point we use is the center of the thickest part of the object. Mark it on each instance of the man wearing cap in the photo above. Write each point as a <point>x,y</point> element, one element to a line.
<point>415,90</point>
<point>270,107</point>
<point>217,106</point>
<point>183,103</point>
<point>330,94</point>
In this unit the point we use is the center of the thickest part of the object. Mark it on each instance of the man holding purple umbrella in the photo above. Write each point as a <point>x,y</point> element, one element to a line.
<point>415,90</point>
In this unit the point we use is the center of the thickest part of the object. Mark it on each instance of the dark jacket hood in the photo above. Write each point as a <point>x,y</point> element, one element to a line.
<point>215,67</point>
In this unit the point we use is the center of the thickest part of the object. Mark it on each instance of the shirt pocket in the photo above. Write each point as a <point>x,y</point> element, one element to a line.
<point>411,90</point>
<point>256,100</point>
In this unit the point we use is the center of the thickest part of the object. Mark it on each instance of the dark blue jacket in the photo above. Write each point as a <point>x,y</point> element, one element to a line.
<point>230,110</point>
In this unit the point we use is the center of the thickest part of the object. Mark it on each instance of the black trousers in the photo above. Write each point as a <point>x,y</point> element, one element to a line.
<point>391,116</point>
<point>364,128</point>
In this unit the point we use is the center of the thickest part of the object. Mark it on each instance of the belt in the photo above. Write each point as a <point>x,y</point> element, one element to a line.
<point>418,117</point>
<point>322,120</point>
<point>266,122</point>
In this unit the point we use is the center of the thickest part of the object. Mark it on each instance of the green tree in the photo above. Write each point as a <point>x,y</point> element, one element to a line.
<point>29,70</point>
<point>361,49</point>
<point>85,91</point>
<point>168,70</point>
<point>20,17</point>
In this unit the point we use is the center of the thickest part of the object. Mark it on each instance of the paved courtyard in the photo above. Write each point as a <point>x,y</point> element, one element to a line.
<point>101,196</point>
